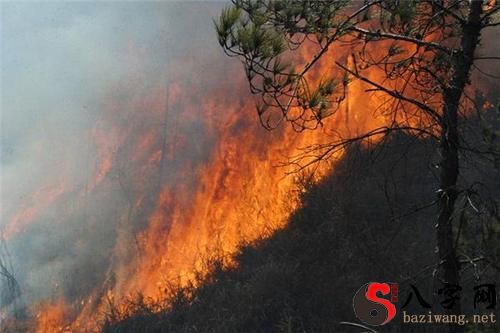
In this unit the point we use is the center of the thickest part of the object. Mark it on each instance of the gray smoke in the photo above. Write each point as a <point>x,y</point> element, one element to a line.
<point>62,65</point>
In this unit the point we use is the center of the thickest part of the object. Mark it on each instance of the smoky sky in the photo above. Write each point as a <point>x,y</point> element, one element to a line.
<point>59,62</point>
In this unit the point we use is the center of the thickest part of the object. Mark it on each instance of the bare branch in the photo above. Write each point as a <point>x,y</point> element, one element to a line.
<point>393,93</point>
<point>321,152</point>
<point>388,35</point>
<point>486,58</point>
<point>369,329</point>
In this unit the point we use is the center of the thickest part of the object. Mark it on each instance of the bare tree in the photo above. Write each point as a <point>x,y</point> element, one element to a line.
<point>9,287</point>
<point>422,54</point>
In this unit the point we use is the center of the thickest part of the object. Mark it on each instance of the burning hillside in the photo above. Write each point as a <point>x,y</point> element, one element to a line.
<point>172,169</point>
<point>145,159</point>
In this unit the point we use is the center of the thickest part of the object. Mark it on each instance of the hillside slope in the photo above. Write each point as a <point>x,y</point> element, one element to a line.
<point>366,221</point>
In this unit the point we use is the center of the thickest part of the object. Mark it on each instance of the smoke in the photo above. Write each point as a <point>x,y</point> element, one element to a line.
<point>96,97</point>
<point>86,82</point>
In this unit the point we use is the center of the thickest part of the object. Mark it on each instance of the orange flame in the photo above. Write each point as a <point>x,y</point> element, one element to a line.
<point>235,194</point>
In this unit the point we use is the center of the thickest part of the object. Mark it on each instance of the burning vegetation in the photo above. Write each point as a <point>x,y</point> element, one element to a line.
<point>191,216</point>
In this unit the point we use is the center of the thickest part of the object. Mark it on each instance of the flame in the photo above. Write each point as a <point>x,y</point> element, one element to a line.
<point>38,201</point>
<point>50,317</point>
<point>202,206</point>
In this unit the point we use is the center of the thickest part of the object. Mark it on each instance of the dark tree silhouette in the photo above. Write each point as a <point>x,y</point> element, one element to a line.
<point>418,54</point>
<point>10,290</point>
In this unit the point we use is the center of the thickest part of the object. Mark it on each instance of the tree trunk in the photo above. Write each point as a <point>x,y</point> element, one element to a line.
<point>449,271</point>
